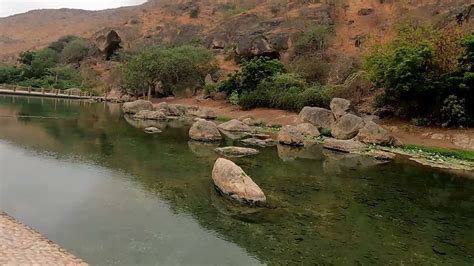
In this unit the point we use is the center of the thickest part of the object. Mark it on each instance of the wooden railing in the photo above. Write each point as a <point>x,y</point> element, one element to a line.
<point>66,93</point>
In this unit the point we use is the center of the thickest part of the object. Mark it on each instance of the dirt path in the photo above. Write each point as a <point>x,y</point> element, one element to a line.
<point>406,133</point>
<point>21,245</point>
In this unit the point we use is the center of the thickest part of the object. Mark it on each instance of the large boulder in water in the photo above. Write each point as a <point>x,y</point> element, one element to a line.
<point>319,117</point>
<point>347,126</point>
<point>233,182</point>
<point>350,146</point>
<point>290,135</point>
<point>375,134</point>
<point>340,107</point>
<point>235,125</point>
<point>203,130</point>
<point>137,106</point>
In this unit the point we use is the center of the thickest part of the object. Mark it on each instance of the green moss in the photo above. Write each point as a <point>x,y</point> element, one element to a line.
<point>223,118</point>
<point>453,153</point>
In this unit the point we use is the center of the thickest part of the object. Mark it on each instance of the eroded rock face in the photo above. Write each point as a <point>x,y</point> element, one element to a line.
<point>290,135</point>
<point>233,182</point>
<point>204,130</point>
<point>308,130</point>
<point>375,134</point>
<point>137,106</point>
<point>340,107</point>
<point>319,117</point>
<point>350,146</point>
<point>150,115</point>
<point>235,125</point>
<point>347,126</point>
<point>232,151</point>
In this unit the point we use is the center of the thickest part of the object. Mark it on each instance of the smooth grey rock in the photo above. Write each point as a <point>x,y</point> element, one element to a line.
<point>137,106</point>
<point>235,125</point>
<point>204,130</point>
<point>234,183</point>
<point>375,134</point>
<point>290,135</point>
<point>319,117</point>
<point>350,146</point>
<point>340,107</point>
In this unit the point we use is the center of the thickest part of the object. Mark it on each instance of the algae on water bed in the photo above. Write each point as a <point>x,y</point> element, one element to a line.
<point>110,193</point>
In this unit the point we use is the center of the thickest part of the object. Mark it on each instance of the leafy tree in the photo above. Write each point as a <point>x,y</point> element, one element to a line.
<point>26,57</point>
<point>40,65</point>
<point>175,68</point>
<point>9,74</point>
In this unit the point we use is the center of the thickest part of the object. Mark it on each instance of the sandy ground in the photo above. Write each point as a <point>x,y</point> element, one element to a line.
<point>403,131</point>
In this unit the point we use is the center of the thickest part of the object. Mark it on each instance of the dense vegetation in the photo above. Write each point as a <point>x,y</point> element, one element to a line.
<point>167,71</point>
<point>56,66</point>
<point>427,74</point>
<point>262,82</point>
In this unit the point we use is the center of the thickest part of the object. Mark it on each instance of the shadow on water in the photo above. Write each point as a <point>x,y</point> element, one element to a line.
<point>325,207</point>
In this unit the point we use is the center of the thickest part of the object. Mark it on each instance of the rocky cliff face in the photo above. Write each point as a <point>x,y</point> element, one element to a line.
<point>265,27</point>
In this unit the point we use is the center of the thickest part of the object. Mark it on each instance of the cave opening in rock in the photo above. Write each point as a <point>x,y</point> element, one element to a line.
<point>112,44</point>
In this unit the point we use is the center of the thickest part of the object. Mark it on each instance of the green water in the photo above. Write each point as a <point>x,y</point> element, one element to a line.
<point>85,178</point>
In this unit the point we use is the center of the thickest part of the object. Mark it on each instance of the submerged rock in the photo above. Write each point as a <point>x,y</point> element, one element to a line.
<point>290,135</point>
<point>347,126</point>
<point>232,151</point>
<point>319,117</point>
<point>137,106</point>
<point>151,115</point>
<point>381,155</point>
<point>340,107</point>
<point>152,130</point>
<point>255,141</point>
<point>350,146</point>
<point>203,130</point>
<point>234,183</point>
<point>235,125</point>
<point>203,149</point>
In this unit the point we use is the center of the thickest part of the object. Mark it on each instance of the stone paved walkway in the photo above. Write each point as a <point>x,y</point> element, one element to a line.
<point>21,245</point>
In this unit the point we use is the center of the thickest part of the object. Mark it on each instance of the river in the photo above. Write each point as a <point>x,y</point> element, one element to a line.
<point>82,176</point>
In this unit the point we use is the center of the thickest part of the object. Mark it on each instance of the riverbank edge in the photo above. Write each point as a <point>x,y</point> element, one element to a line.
<point>22,245</point>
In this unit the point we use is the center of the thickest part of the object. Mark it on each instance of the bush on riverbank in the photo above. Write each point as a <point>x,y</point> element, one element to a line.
<point>50,68</point>
<point>262,82</point>
<point>427,74</point>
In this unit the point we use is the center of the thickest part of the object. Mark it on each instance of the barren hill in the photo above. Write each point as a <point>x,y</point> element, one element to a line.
<point>250,27</point>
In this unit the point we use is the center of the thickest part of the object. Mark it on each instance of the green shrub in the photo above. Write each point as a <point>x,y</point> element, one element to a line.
<point>326,132</point>
<point>74,51</point>
<point>285,91</point>
<point>417,76</point>
<point>194,11</point>
<point>313,39</point>
<point>59,45</point>
<point>453,112</point>
<point>252,72</point>
<point>234,98</point>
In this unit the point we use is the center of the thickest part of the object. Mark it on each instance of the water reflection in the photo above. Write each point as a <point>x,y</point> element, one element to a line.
<point>134,198</point>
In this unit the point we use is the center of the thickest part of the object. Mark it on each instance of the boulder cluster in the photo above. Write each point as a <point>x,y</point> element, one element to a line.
<point>350,131</point>
<point>146,110</point>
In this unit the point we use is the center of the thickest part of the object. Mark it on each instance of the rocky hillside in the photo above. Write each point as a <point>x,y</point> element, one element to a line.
<point>249,27</point>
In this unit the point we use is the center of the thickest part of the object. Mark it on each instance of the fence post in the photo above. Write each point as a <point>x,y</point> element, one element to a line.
<point>57,91</point>
<point>14,88</point>
<point>29,89</point>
